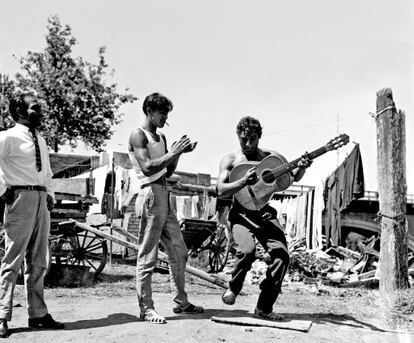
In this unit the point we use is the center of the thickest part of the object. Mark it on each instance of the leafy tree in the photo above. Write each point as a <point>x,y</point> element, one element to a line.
<point>78,103</point>
<point>7,89</point>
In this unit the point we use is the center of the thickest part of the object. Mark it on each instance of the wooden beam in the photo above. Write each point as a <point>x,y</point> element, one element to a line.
<point>368,282</point>
<point>71,186</point>
<point>190,188</point>
<point>161,255</point>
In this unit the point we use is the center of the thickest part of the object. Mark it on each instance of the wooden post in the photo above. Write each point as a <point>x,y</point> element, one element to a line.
<point>392,189</point>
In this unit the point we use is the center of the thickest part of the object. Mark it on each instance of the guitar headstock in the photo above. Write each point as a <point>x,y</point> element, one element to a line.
<point>337,142</point>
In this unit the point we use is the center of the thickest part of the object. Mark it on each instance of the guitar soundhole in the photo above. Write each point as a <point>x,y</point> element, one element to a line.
<point>268,177</point>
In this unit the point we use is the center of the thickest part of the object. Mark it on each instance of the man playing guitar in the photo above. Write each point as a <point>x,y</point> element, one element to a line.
<point>261,224</point>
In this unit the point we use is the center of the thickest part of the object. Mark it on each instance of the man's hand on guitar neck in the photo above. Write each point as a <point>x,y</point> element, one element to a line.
<point>304,163</point>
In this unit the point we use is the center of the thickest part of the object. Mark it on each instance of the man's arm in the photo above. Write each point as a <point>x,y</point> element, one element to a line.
<point>137,144</point>
<point>297,173</point>
<point>49,189</point>
<point>226,188</point>
<point>4,152</point>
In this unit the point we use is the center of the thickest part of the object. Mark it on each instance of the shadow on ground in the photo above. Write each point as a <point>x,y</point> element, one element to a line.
<point>112,319</point>
<point>316,318</point>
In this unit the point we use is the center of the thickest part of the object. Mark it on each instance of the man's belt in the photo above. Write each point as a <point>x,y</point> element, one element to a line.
<point>29,188</point>
<point>162,181</point>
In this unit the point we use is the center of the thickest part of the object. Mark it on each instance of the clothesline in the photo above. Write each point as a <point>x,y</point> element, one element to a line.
<point>314,125</point>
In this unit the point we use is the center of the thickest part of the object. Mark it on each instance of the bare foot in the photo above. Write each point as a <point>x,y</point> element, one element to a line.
<point>268,316</point>
<point>228,297</point>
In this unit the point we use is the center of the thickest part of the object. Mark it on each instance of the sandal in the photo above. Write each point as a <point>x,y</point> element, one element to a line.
<point>189,308</point>
<point>268,316</point>
<point>151,316</point>
<point>228,297</point>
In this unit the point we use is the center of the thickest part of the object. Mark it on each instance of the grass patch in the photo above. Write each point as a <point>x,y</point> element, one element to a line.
<point>404,302</point>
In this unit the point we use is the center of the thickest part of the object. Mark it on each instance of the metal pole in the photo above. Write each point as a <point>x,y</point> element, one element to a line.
<point>111,208</point>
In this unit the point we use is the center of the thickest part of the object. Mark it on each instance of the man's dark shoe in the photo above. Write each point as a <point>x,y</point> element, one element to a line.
<point>4,330</point>
<point>46,322</point>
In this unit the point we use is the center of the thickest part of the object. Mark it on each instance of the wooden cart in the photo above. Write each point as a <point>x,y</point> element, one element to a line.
<point>71,245</point>
<point>204,233</point>
<point>201,235</point>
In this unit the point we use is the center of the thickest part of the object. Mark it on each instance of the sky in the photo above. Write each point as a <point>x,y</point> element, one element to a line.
<point>307,70</point>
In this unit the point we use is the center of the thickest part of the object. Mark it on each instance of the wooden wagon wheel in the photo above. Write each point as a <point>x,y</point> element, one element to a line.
<point>2,243</point>
<point>82,249</point>
<point>219,249</point>
<point>410,260</point>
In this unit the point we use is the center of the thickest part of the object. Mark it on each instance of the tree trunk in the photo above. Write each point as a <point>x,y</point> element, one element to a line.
<point>392,188</point>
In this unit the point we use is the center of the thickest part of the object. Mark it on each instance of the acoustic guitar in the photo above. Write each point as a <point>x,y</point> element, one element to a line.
<point>274,175</point>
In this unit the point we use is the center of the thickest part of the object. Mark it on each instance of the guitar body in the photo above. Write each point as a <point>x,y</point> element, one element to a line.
<point>256,196</point>
<point>273,174</point>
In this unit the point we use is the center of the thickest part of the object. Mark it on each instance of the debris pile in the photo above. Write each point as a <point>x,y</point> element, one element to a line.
<point>335,266</point>
<point>257,273</point>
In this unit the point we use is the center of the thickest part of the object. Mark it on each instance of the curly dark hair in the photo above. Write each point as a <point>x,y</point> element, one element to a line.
<point>157,102</point>
<point>249,125</point>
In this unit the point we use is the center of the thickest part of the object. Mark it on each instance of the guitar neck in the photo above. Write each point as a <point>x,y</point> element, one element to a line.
<point>288,167</point>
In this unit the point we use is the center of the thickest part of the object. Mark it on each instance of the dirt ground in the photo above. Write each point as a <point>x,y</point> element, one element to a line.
<point>107,311</point>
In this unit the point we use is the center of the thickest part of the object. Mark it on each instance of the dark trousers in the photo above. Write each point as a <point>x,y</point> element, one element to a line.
<point>271,236</point>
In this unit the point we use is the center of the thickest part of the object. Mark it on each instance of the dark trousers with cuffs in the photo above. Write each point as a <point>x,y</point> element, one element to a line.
<point>271,236</point>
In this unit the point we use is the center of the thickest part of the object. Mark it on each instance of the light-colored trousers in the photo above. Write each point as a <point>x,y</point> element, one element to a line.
<point>27,226</point>
<point>158,223</point>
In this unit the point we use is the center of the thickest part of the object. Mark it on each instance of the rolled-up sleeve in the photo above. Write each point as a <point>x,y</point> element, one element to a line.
<point>4,153</point>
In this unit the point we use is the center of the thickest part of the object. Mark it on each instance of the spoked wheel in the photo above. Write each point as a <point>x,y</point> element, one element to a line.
<point>411,260</point>
<point>219,249</point>
<point>2,243</point>
<point>82,249</point>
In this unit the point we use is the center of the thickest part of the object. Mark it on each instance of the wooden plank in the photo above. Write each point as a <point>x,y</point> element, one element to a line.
<point>366,275</point>
<point>124,232</point>
<point>76,197</point>
<point>349,252</point>
<point>373,281</point>
<point>71,186</point>
<point>69,211</point>
<point>65,216</point>
<point>237,318</point>
<point>67,196</point>
<point>203,179</point>
<point>74,206</point>
<point>193,189</point>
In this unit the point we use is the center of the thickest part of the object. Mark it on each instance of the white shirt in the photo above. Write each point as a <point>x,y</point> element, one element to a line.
<point>18,160</point>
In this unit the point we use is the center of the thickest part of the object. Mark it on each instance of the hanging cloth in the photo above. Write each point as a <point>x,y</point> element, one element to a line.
<point>344,185</point>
